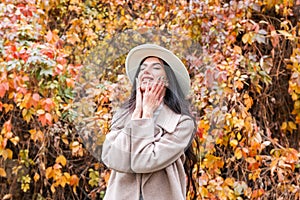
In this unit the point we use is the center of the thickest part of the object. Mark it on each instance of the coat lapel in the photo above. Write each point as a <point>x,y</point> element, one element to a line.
<point>167,119</point>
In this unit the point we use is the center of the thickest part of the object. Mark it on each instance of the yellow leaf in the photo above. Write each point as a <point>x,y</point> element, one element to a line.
<point>15,140</point>
<point>238,153</point>
<point>3,153</point>
<point>64,138</point>
<point>8,107</point>
<point>229,181</point>
<point>284,126</point>
<point>62,160</point>
<point>52,188</point>
<point>233,143</point>
<point>292,125</point>
<point>40,112</point>
<point>250,160</point>
<point>285,33</point>
<point>247,38</point>
<point>297,104</point>
<point>2,172</point>
<point>203,191</point>
<point>294,96</point>
<point>239,136</point>
<point>25,187</point>
<point>9,153</point>
<point>237,49</point>
<point>63,181</point>
<point>67,175</point>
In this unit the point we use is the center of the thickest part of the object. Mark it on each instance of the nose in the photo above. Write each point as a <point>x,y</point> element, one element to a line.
<point>146,70</point>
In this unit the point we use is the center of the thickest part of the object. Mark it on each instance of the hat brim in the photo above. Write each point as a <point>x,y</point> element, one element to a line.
<point>138,53</point>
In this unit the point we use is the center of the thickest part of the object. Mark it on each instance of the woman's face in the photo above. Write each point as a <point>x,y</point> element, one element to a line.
<point>151,70</point>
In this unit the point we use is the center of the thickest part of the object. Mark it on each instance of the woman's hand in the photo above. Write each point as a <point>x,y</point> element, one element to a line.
<point>152,98</point>
<point>137,113</point>
<point>148,101</point>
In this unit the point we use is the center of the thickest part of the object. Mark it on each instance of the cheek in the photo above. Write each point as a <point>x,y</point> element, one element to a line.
<point>160,74</point>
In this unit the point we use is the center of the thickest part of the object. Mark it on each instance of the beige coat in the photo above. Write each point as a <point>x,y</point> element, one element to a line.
<point>147,157</point>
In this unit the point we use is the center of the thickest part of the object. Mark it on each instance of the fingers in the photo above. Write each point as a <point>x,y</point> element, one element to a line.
<point>158,87</point>
<point>137,84</point>
<point>138,93</point>
<point>153,95</point>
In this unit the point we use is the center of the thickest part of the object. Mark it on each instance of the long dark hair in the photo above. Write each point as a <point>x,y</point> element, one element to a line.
<point>176,101</point>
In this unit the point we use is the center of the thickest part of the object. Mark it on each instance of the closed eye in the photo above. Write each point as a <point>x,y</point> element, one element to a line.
<point>157,66</point>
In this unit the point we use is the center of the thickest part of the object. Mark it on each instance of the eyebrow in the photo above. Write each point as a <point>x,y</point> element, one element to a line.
<point>157,63</point>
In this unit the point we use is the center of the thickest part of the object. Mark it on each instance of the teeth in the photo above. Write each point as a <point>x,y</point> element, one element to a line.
<point>146,79</point>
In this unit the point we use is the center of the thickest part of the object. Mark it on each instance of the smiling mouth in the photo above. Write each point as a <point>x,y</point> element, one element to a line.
<point>146,79</point>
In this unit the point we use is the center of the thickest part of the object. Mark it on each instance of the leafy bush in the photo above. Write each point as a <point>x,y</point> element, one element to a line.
<point>57,57</point>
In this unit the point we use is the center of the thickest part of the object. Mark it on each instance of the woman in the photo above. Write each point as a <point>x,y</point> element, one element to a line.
<point>151,132</point>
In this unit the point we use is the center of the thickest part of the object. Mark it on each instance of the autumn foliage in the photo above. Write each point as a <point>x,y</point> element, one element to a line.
<point>62,72</point>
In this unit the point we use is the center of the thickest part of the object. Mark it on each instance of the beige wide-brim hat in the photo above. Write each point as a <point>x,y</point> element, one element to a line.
<point>138,53</point>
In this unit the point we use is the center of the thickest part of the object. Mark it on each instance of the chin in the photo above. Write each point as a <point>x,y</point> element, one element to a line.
<point>144,86</point>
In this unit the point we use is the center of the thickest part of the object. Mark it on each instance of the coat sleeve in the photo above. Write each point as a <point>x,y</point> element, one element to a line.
<point>116,149</point>
<point>150,154</point>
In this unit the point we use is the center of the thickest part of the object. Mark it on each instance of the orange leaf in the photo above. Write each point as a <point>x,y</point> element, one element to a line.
<point>106,177</point>
<point>257,193</point>
<point>62,160</point>
<point>70,82</point>
<point>36,135</point>
<point>7,126</point>
<point>49,172</point>
<point>2,172</point>
<point>36,177</point>
<point>74,180</point>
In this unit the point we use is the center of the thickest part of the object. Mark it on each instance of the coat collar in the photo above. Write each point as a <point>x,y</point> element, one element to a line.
<point>167,119</point>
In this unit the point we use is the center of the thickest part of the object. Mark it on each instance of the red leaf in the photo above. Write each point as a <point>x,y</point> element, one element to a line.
<point>61,60</point>
<point>48,52</point>
<point>35,99</point>
<point>3,88</point>
<point>42,119</point>
<point>48,104</point>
